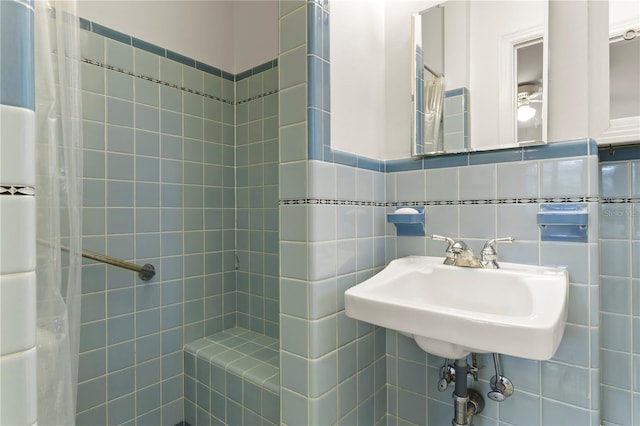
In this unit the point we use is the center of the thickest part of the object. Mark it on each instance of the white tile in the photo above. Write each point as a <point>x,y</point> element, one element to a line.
<point>17,146</point>
<point>323,258</point>
<point>442,220</point>
<point>364,185</point>
<point>410,186</point>
<point>17,312</point>
<point>478,182</point>
<point>322,180</point>
<point>635,179</point>
<point>614,180</point>
<point>564,178</point>
<point>390,187</point>
<point>518,221</point>
<point>478,221</point>
<point>293,180</point>
<point>442,184</point>
<point>518,180</point>
<point>17,234</point>
<point>18,405</point>
<point>346,182</point>
<point>322,222</point>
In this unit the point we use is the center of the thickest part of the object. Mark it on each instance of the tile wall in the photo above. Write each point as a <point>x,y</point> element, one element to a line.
<point>464,200</point>
<point>257,202</point>
<point>160,188</point>
<point>496,199</point>
<point>332,368</point>
<point>18,386</point>
<point>620,283</point>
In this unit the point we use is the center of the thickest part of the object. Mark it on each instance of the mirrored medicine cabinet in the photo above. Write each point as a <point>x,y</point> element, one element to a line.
<point>485,60</point>
<point>624,69</point>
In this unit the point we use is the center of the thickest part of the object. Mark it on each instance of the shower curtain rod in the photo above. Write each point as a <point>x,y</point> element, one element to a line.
<point>435,73</point>
<point>145,272</point>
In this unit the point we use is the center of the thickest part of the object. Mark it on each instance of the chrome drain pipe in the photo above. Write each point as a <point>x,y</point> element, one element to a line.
<point>466,402</point>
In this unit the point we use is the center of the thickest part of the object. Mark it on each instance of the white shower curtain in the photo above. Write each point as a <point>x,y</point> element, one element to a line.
<point>433,105</point>
<point>59,208</point>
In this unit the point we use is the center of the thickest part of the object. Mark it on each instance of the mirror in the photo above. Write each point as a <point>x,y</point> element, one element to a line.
<point>478,76</point>
<point>624,68</point>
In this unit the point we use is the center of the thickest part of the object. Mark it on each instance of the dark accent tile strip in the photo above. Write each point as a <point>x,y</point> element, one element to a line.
<point>455,92</point>
<point>491,157</point>
<point>619,153</point>
<point>169,54</point>
<point>181,58</point>
<point>557,150</point>
<point>208,68</point>
<point>257,69</point>
<point>403,165</point>
<point>149,47</point>
<point>85,24</point>
<point>109,33</point>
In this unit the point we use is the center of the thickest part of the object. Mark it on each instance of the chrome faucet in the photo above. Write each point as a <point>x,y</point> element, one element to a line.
<point>458,254</point>
<point>489,255</point>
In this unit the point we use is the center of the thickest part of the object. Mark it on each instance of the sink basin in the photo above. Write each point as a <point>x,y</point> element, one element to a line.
<point>451,311</point>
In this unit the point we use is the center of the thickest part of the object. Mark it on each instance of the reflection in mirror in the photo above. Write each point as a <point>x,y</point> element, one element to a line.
<point>624,69</point>
<point>529,60</point>
<point>428,32</point>
<point>439,113</point>
<point>494,61</point>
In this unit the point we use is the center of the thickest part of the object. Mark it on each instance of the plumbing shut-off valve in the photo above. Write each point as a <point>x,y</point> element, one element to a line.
<point>501,386</point>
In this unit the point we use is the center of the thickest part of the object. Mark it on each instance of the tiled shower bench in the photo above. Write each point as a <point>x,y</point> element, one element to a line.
<point>232,378</point>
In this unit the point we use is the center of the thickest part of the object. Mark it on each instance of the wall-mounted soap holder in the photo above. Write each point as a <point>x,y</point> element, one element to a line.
<point>564,222</point>
<point>409,221</point>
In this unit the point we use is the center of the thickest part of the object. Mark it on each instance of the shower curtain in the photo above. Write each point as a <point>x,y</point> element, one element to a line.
<point>58,205</point>
<point>433,104</point>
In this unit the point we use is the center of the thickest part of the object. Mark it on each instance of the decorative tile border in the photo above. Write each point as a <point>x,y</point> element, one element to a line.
<point>630,200</point>
<point>169,54</point>
<point>155,80</point>
<point>17,190</point>
<point>542,200</point>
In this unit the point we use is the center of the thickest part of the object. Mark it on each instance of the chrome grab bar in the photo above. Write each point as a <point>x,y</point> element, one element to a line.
<point>145,272</point>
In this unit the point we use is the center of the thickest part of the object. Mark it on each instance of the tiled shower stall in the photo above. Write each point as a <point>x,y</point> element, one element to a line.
<point>180,171</point>
<point>228,184</point>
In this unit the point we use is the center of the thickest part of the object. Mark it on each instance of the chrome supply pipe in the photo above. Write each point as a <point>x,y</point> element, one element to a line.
<point>466,402</point>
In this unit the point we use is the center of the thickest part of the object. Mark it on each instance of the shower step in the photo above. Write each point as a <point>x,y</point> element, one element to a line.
<point>232,377</point>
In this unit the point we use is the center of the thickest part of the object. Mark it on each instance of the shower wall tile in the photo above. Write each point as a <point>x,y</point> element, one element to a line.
<point>17,143</point>
<point>18,230</point>
<point>17,312</point>
<point>18,386</point>
<point>160,188</point>
<point>620,292</point>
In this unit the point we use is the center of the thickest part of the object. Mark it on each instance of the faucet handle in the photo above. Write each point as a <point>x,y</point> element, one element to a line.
<point>489,250</point>
<point>493,241</point>
<point>450,241</point>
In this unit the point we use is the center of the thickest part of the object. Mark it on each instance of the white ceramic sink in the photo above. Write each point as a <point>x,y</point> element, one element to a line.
<point>451,311</point>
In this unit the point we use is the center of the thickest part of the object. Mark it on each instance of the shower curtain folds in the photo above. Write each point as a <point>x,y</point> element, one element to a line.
<point>58,208</point>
